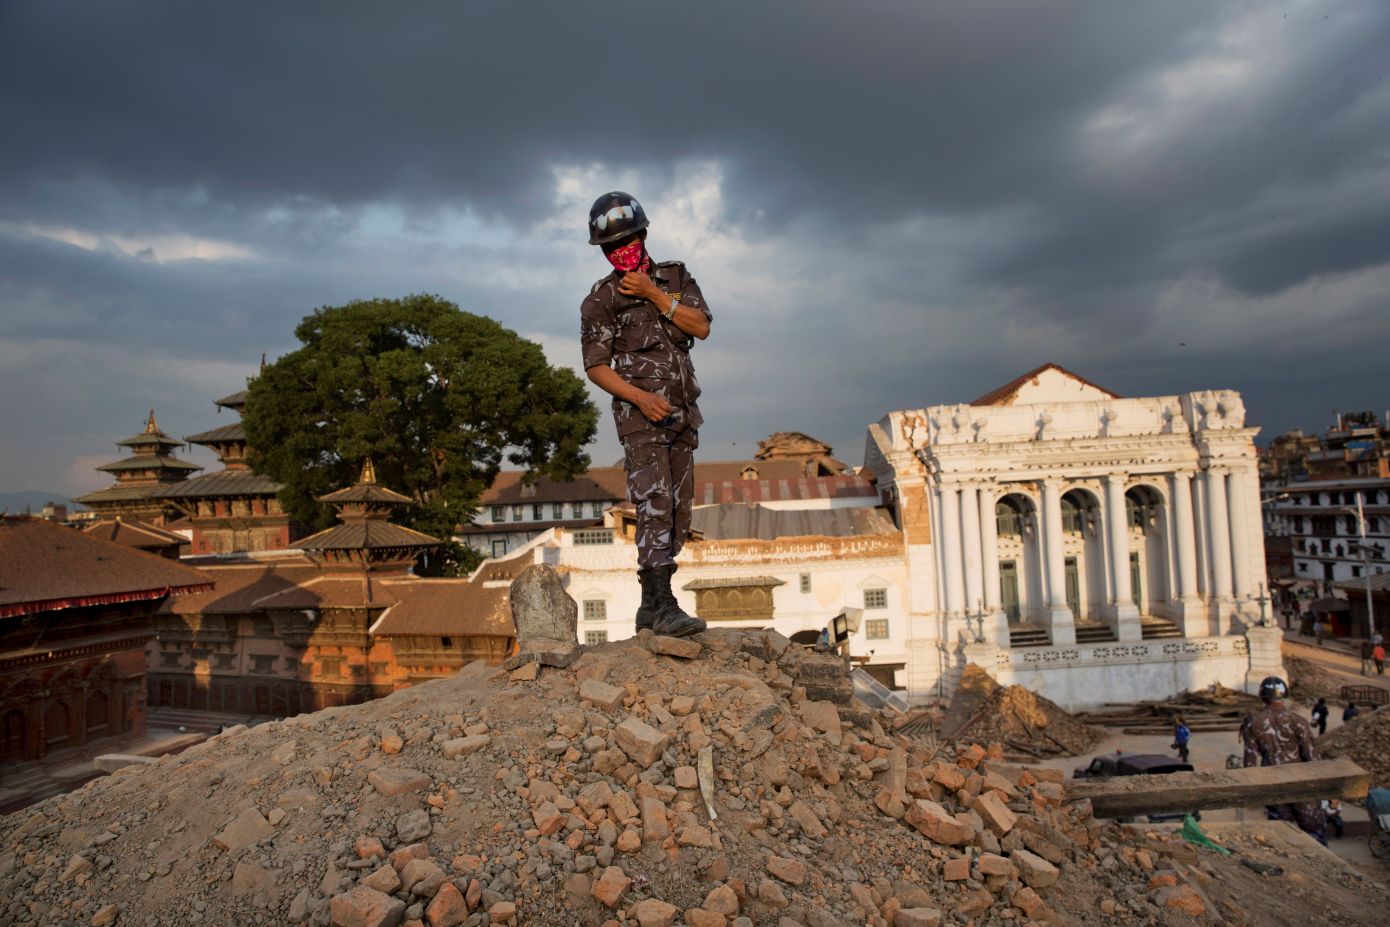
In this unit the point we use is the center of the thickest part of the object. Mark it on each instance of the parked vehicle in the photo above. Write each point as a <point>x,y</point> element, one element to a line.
<point>1136,764</point>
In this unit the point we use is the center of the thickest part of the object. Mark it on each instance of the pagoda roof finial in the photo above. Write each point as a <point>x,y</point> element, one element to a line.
<point>151,426</point>
<point>368,477</point>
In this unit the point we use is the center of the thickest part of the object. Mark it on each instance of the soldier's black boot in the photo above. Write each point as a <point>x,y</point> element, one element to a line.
<point>646,612</point>
<point>670,620</point>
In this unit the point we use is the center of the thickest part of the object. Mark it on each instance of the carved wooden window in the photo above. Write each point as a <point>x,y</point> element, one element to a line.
<point>262,663</point>
<point>875,598</point>
<point>170,658</point>
<point>224,660</point>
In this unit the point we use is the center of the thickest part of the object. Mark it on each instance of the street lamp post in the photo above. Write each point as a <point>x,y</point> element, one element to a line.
<point>1365,564</point>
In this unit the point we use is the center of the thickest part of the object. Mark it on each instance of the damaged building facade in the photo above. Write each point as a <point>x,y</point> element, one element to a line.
<point>1090,547</point>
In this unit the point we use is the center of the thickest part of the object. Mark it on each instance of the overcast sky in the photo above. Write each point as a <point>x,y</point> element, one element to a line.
<point>887,204</point>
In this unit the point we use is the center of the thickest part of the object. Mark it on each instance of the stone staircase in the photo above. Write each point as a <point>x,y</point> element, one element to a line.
<point>1029,636</point>
<point>1094,634</point>
<point>1160,629</point>
<point>204,722</point>
<point>26,783</point>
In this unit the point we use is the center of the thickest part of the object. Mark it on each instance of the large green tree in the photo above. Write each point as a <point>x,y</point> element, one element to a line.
<point>437,397</point>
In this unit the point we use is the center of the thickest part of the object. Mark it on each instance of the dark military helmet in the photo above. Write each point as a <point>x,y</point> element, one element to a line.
<point>615,216</point>
<point>1273,689</point>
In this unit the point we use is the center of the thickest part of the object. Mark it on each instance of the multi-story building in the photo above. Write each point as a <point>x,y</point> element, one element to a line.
<point>142,478</point>
<point>75,615</point>
<point>235,510</point>
<point>1091,547</point>
<point>337,619</point>
<point>1323,522</point>
<point>513,511</point>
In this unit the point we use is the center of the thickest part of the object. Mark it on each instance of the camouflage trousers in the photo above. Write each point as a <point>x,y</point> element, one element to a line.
<point>660,464</point>
<point>1307,816</point>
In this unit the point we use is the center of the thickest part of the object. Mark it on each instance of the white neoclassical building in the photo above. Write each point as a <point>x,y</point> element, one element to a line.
<point>1091,547</point>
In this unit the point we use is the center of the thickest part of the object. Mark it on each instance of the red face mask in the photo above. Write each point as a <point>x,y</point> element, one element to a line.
<point>629,257</point>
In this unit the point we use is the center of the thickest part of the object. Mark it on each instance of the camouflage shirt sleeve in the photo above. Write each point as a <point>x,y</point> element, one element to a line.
<point>1307,749</point>
<point>597,327</point>
<point>692,297</point>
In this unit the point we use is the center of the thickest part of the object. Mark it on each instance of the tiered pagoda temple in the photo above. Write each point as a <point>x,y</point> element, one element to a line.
<point>142,478</point>
<point>235,510</point>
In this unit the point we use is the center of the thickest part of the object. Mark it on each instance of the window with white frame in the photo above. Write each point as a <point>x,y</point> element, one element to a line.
<point>597,509</point>
<point>595,637</point>
<point>875,598</point>
<point>499,513</point>
<point>557,510</point>
<point>516,513</point>
<point>576,510</point>
<point>805,582</point>
<point>537,512</point>
<point>876,629</point>
<point>595,610</point>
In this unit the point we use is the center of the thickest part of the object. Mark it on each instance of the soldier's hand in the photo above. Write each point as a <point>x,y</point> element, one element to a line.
<point>653,406</point>
<point>636,283</point>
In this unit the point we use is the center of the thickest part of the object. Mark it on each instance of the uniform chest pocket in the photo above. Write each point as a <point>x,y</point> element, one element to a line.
<point>638,329</point>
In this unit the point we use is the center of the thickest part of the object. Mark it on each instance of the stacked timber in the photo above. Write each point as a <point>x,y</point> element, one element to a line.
<point>1214,709</point>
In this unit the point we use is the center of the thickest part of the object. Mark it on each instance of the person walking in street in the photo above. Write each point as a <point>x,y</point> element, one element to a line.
<point>1277,737</point>
<point>1320,716</point>
<point>1332,810</point>
<point>1378,655</point>
<point>1351,712</point>
<point>1319,630</point>
<point>636,329</point>
<point>1181,735</point>
<point>1366,650</point>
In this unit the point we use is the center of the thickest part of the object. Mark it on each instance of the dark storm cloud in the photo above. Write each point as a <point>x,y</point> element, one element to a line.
<point>958,191</point>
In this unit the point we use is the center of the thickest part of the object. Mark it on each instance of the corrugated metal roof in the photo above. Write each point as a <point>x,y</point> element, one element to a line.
<point>597,484</point>
<point>777,490</point>
<point>1380,582</point>
<point>222,483</point>
<point>233,432</point>
<point>148,462</point>
<point>366,535</point>
<point>756,522</point>
<point>737,582</point>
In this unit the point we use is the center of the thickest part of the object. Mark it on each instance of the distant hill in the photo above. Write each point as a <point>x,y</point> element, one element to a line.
<point>34,499</point>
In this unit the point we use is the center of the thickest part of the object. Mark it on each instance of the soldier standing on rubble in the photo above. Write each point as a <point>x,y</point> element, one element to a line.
<point>1278,736</point>
<point>636,328</point>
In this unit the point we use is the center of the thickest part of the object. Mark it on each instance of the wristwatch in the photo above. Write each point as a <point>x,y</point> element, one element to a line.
<point>671,313</point>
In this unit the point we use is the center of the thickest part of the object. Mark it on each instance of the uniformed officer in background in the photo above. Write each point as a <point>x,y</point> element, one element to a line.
<point>1278,736</point>
<point>636,327</point>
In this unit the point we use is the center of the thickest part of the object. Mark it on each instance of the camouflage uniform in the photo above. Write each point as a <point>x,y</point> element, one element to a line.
<point>1278,736</point>
<point>649,352</point>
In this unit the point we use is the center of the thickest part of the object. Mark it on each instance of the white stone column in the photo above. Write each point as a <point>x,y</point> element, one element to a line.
<point>1124,613</point>
<point>970,540</point>
<point>950,550</point>
<point>1063,623</point>
<point>1193,619</point>
<point>1240,535</point>
<point>1219,531</point>
<point>996,620</point>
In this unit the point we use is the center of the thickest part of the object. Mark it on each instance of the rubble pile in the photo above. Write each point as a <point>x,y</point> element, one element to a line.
<point>1309,682</point>
<point>651,782</point>
<point>1027,724</point>
<point>1366,741</point>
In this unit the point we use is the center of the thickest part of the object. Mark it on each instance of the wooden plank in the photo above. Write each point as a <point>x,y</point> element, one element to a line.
<point>1125,796</point>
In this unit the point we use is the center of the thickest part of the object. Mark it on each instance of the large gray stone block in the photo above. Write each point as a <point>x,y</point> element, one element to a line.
<point>544,613</point>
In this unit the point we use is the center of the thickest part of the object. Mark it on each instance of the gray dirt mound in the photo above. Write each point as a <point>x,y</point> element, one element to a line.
<point>573,797</point>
